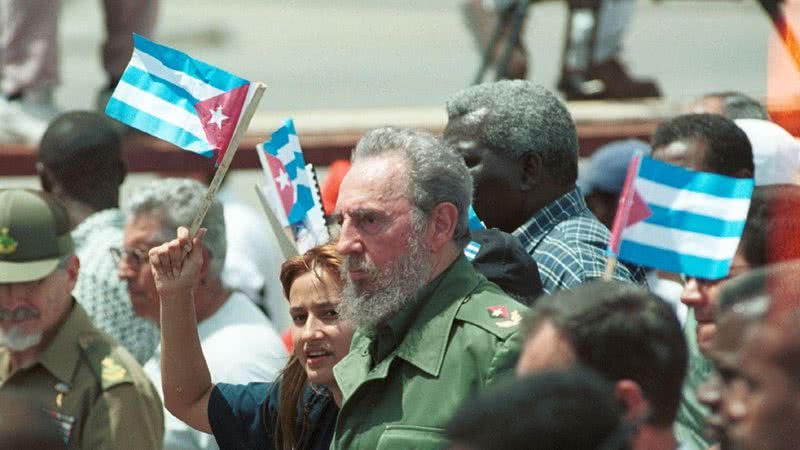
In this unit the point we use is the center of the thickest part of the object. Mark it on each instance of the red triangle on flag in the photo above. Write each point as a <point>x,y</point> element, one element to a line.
<point>219,116</point>
<point>639,210</point>
<point>282,183</point>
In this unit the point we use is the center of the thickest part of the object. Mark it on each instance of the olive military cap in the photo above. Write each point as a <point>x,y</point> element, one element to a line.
<point>34,235</point>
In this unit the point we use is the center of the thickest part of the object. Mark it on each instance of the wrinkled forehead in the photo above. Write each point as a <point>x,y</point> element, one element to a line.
<point>374,182</point>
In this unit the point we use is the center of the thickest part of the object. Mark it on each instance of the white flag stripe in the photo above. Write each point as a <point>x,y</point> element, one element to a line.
<point>198,88</point>
<point>163,110</point>
<point>693,202</point>
<point>685,242</point>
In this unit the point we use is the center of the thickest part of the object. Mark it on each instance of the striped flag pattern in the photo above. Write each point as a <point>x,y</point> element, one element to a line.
<point>680,220</point>
<point>182,100</point>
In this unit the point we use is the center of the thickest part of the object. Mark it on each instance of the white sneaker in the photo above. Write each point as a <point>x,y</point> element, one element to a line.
<point>24,120</point>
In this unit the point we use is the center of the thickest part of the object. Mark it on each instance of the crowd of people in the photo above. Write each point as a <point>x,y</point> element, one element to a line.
<point>120,329</point>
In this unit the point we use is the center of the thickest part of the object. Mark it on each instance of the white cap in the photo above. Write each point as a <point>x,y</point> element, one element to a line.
<point>776,153</point>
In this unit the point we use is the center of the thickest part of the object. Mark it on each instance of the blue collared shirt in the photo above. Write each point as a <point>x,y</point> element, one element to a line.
<point>569,245</point>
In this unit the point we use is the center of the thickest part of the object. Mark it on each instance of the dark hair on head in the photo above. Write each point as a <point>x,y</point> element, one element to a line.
<point>571,409</point>
<point>319,260</point>
<point>736,105</point>
<point>83,152</point>
<point>728,149</point>
<point>623,332</point>
<point>772,231</point>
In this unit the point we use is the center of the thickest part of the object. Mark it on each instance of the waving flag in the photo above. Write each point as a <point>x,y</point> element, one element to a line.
<point>679,220</point>
<point>288,168</point>
<point>182,100</point>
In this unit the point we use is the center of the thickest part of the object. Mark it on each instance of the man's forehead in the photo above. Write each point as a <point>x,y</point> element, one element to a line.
<point>689,153</point>
<point>142,228</point>
<point>373,183</point>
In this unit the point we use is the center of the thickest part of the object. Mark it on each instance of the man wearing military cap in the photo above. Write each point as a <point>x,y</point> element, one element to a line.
<point>92,388</point>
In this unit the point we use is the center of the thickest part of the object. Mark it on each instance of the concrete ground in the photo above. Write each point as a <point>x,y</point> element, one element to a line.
<point>319,54</point>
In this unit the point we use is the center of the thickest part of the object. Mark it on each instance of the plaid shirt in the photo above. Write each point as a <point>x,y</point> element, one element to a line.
<point>100,291</point>
<point>569,245</point>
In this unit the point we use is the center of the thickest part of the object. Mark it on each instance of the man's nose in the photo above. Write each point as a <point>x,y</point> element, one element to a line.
<point>349,240</point>
<point>692,296</point>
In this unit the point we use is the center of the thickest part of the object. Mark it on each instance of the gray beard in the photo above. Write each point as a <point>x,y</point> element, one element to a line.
<point>369,302</point>
<point>15,341</point>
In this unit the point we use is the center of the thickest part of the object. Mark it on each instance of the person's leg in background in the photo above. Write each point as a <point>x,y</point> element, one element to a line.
<point>29,66</point>
<point>122,19</point>
<point>598,27</point>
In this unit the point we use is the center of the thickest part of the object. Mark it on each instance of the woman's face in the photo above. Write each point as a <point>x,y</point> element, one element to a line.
<point>320,339</point>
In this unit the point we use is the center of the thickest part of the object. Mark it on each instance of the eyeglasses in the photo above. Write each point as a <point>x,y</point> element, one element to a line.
<point>133,257</point>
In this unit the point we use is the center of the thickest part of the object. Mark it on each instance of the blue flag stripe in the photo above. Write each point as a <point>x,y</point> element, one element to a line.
<point>304,202</point>
<point>277,140</point>
<point>160,88</point>
<point>675,262</point>
<point>707,183</point>
<point>697,223</point>
<point>153,125</point>
<point>195,68</point>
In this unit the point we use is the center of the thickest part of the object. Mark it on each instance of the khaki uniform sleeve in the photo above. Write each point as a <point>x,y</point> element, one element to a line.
<point>125,417</point>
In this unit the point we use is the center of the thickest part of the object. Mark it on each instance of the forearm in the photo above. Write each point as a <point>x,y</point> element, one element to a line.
<point>184,372</point>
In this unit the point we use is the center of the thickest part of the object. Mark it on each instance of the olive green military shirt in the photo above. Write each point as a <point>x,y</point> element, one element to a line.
<point>690,423</point>
<point>92,388</point>
<point>403,382</point>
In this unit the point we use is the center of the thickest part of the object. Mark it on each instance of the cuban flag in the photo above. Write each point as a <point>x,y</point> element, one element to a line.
<point>284,157</point>
<point>679,220</point>
<point>182,100</point>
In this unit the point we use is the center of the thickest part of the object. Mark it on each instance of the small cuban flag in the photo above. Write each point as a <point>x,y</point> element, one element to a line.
<point>679,220</point>
<point>284,157</point>
<point>182,100</point>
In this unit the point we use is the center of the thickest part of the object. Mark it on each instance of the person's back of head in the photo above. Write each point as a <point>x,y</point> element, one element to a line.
<point>735,105</point>
<point>623,332</point>
<point>705,142</point>
<point>772,225</point>
<point>573,409</point>
<point>502,259</point>
<point>80,157</point>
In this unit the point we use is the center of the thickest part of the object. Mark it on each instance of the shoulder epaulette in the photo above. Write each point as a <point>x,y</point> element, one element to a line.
<point>488,307</point>
<point>101,356</point>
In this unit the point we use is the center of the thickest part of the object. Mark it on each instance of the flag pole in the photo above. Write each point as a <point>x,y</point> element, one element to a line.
<point>233,145</point>
<point>287,246</point>
<point>621,218</point>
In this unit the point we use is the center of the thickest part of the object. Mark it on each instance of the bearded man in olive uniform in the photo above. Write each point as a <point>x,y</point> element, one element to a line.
<point>92,388</point>
<point>432,331</point>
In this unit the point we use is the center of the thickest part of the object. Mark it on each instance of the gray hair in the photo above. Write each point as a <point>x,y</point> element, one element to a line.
<point>436,173</point>
<point>175,202</point>
<point>736,105</point>
<point>520,117</point>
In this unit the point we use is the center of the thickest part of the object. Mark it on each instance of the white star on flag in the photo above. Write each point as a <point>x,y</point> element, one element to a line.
<point>283,179</point>
<point>497,313</point>
<point>217,117</point>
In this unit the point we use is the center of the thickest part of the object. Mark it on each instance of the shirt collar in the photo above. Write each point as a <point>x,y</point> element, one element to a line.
<point>63,352</point>
<point>537,227</point>
<point>424,327</point>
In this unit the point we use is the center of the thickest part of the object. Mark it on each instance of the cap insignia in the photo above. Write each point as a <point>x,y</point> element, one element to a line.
<point>8,244</point>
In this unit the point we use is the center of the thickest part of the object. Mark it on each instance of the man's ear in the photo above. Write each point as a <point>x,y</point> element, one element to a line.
<point>637,408</point>
<point>531,166</point>
<point>45,177</point>
<point>442,225</point>
<point>72,268</point>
